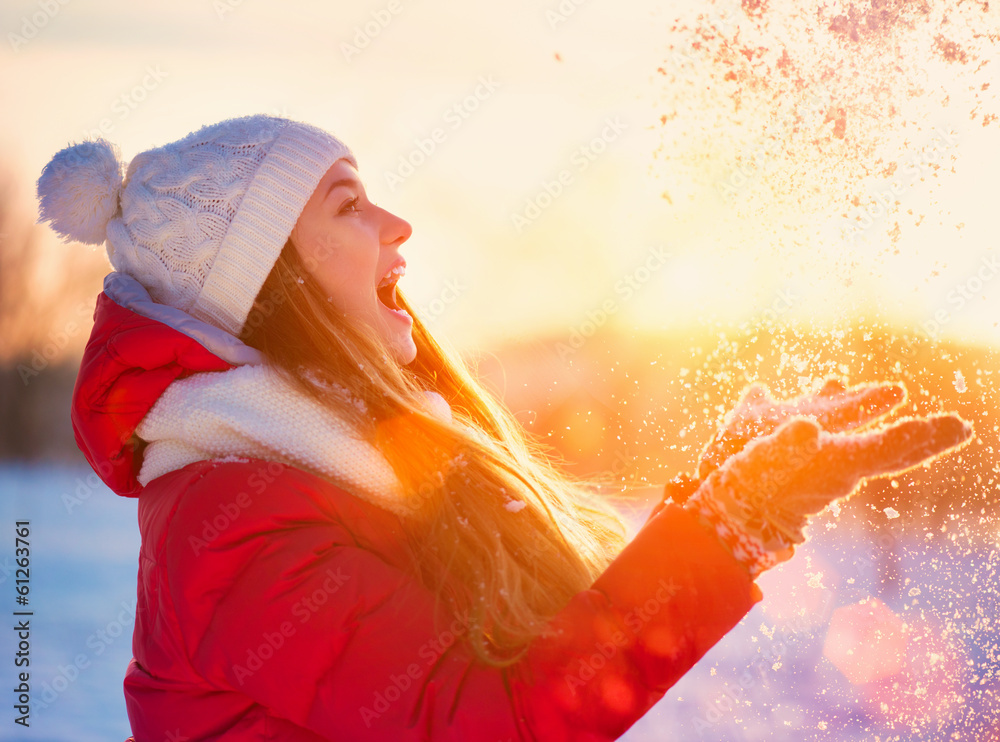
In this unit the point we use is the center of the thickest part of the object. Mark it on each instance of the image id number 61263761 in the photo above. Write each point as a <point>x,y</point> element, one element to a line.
<point>22,617</point>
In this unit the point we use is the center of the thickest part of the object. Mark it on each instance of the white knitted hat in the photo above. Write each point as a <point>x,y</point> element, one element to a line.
<point>199,222</point>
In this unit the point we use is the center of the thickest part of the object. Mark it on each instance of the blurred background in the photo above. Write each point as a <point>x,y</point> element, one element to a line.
<point>623,214</point>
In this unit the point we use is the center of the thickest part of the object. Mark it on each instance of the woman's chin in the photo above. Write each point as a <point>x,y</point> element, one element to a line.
<point>404,349</point>
<point>398,328</point>
<point>407,352</point>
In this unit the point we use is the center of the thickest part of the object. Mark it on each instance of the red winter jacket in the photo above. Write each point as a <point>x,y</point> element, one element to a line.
<point>273,605</point>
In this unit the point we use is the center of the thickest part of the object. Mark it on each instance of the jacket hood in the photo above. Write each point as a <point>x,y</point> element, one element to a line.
<point>136,349</point>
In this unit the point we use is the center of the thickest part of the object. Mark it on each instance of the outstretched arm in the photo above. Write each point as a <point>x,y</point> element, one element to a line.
<point>287,608</point>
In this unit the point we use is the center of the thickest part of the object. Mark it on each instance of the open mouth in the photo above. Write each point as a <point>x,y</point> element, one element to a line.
<point>386,290</point>
<point>387,295</point>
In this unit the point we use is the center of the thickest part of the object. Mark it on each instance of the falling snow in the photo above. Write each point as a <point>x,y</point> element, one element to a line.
<point>515,506</point>
<point>959,382</point>
<point>885,627</point>
<point>804,115</point>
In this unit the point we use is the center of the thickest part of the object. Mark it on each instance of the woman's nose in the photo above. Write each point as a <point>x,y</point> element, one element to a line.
<point>395,229</point>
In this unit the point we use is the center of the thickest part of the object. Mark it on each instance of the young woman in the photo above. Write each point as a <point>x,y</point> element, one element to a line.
<point>344,536</point>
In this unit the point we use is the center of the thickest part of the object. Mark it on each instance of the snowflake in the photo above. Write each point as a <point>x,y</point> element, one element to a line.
<point>959,382</point>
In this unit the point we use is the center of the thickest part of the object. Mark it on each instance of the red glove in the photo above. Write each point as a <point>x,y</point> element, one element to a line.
<point>762,490</point>
<point>835,408</point>
<point>779,480</point>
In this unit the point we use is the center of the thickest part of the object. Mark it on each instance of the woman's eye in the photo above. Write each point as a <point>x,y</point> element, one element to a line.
<point>351,205</point>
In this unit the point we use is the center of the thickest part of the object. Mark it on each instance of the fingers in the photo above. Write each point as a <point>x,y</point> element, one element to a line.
<point>831,387</point>
<point>843,460</point>
<point>842,409</point>
<point>799,469</point>
<point>744,422</point>
<point>797,434</point>
<point>836,408</point>
<point>802,469</point>
<point>905,444</point>
<point>755,402</point>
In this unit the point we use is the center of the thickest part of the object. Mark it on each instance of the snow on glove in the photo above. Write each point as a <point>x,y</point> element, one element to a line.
<point>760,498</point>
<point>835,408</point>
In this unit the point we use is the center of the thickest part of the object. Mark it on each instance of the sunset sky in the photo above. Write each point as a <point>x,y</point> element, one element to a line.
<point>584,149</point>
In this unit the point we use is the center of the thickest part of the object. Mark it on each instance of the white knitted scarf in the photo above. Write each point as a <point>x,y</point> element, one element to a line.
<point>252,411</point>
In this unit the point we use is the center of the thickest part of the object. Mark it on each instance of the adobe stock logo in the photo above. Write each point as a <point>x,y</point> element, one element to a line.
<point>962,294</point>
<point>580,159</point>
<point>454,117</point>
<point>365,34</point>
<point>32,25</point>
<point>625,288</point>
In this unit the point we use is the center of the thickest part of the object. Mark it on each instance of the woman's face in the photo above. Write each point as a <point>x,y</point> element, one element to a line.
<point>351,247</point>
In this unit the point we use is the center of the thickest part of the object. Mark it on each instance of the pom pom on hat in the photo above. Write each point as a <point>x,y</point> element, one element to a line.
<point>79,190</point>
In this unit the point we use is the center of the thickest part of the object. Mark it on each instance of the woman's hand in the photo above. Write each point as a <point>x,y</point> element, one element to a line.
<point>776,481</point>
<point>835,408</point>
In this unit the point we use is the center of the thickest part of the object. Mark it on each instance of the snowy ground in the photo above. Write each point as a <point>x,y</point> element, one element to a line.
<point>84,557</point>
<point>766,680</point>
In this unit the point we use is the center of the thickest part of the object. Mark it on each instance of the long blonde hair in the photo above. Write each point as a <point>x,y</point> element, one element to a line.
<point>498,529</point>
